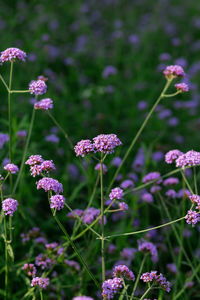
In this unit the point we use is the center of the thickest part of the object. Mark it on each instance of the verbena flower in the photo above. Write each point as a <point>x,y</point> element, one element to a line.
<point>171,193</point>
<point>91,214</point>
<point>37,87</point>
<point>190,158</point>
<point>151,176</point>
<point>182,87</point>
<point>172,268</point>
<point>123,271</point>
<point>192,217</point>
<point>4,137</point>
<point>12,168</point>
<point>172,155</point>
<point>123,206</point>
<point>57,202</point>
<point>98,168</point>
<point>148,247</point>
<point>83,148</point>
<point>116,193</point>
<point>51,246</point>
<point>106,143</point>
<point>170,181</point>
<point>127,184</point>
<point>50,184</point>
<point>174,71</point>
<point>21,134</point>
<point>40,282</point>
<point>128,253</point>
<point>30,269</point>
<point>157,278</point>
<point>34,160</point>
<point>110,287</point>
<point>52,138</point>
<point>12,54</point>
<point>44,104</point>
<point>147,197</point>
<point>82,298</point>
<point>9,206</point>
<point>72,264</point>
<point>43,261</point>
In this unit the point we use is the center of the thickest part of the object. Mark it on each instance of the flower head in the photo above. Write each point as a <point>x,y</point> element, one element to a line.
<point>174,71</point>
<point>50,184</point>
<point>44,104</point>
<point>11,168</point>
<point>40,282</point>
<point>30,269</point>
<point>148,247</point>
<point>172,155</point>
<point>190,158</point>
<point>83,148</point>
<point>110,287</point>
<point>98,168</point>
<point>123,271</point>
<point>192,217</point>
<point>116,193</point>
<point>12,54</point>
<point>34,160</point>
<point>106,143</point>
<point>157,278</point>
<point>151,176</point>
<point>9,206</point>
<point>37,87</point>
<point>182,87</point>
<point>57,202</point>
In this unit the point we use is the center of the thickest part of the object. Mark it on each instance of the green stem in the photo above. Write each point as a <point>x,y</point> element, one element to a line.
<point>61,129</point>
<point>76,251</point>
<point>144,230</point>
<point>25,151</point>
<point>125,288</point>
<point>102,224</point>
<point>138,277</point>
<point>19,91</point>
<point>186,181</point>
<point>6,251</point>
<point>139,132</point>
<point>147,291</point>
<point>41,295</point>
<point>195,181</point>
<point>4,83</point>
<point>10,120</point>
<point>172,95</point>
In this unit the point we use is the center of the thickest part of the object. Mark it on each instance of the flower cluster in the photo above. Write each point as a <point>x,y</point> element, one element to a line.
<point>82,298</point>
<point>173,71</point>
<point>172,155</point>
<point>182,87</point>
<point>123,271</point>
<point>57,202</point>
<point>157,278</point>
<point>117,194</point>
<point>37,87</point>
<point>34,160</point>
<point>30,269</point>
<point>12,54</point>
<point>104,143</point>
<point>43,261</point>
<point>148,247</point>
<point>190,158</point>
<point>110,287</point>
<point>50,184</point>
<point>9,206</point>
<point>4,137</point>
<point>40,282</point>
<point>192,217</point>
<point>45,166</point>
<point>44,104</point>
<point>11,168</point>
<point>151,176</point>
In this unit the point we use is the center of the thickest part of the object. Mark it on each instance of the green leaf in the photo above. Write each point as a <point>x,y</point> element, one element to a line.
<point>10,251</point>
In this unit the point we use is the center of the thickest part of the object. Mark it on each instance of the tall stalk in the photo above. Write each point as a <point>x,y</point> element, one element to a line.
<point>102,222</point>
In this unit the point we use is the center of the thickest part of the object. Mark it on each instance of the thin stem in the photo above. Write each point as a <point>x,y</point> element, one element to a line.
<point>76,251</point>
<point>138,277</point>
<point>195,181</point>
<point>147,291</point>
<point>171,95</point>
<point>61,129</point>
<point>4,83</point>
<point>139,132</point>
<point>19,91</point>
<point>41,295</point>
<point>6,251</point>
<point>125,288</point>
<point>144,230</point>
<point>25,151</point>
<point>102,224</point>
<point>76,216</point>
<point>186,181</point>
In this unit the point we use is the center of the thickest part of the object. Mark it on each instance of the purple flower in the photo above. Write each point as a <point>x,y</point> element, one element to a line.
<point>37,87</point>
<point>151,176</point>
<point>21,133</point>
<point>11,168</point>
<point>52,138</point>
<point>192,217</point>
<point>128,253</point>
<point>78,212</point>
<point>171,193</point>
<point>123,206</point>
<point>158,279</point>
<point>139,160</point>
<point>123,271</point>
<point>174,71</point>
<point>83,148</point>
<point>91,214</point>
<point>43,261</point>
<point>110,287</point>
<point>72,264</point>
<point>51,246</point>
<point>172,155</point>
<point>116,161</point>
<point>147,197</point>
<point>172,268</point>
<point>127,184</point>
<point>9,206</point>
<point>44,104</point>
<point>170,181</point>
<point>4,137</point>
<point>30,269</point>
<point>182,87</point>
<point>109,70</point>
<point>57,202</point>
<point>190,158</point>
<point>34,160</point>
<point>40,282</point>
<point>106,143</point>
<point>98,168</point>
<point>148,247</point>
<point>50,184</point>
<point>116,193</point>
<point>12,54</point>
